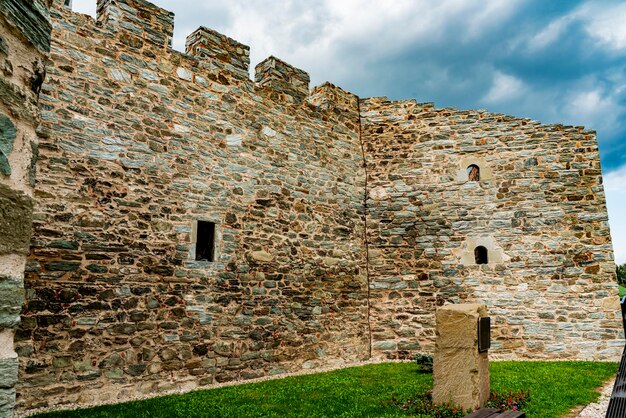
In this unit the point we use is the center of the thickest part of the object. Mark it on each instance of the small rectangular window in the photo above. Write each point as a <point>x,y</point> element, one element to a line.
<point>205,241</point>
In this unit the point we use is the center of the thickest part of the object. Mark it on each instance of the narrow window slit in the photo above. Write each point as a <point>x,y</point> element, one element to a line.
<point>205,241</point>
<point>481,254</point>
<point>473,173</point>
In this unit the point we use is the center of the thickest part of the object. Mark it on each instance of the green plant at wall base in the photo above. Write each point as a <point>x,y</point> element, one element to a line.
<point>424,362</point>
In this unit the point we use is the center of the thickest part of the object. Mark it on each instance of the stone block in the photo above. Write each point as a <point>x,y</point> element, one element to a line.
<point>7,402</point>
<point>137,21</point>
<point>8,372</point>
<point>16,215</point>
<point>460,372</point>
<point>328,96</point>
<point>8,133</point>
<point>282,77</point>
<point>225,52</point>
<point>11,301</point>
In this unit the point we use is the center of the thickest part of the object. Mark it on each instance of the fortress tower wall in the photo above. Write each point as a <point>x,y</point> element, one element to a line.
<point>138,144</point>
<point>539,209</point>
<point>24,44</point>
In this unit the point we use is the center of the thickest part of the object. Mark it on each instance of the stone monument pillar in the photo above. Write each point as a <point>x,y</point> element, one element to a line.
<point>460,371</point>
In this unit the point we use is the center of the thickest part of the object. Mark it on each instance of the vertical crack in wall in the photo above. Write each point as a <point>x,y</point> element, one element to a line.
<point>366,235</point>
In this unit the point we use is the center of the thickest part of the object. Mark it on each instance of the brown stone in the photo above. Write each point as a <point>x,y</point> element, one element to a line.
<point>262,256</point>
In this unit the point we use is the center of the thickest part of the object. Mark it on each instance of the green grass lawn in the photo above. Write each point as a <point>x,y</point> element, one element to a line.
<point>555,387</point>
<point>622,291</point>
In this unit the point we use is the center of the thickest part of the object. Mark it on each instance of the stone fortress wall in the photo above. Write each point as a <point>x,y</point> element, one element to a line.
<point>138,142</point>
<point>24,43</point>
<point>539,208</point>
<point>340,223</point>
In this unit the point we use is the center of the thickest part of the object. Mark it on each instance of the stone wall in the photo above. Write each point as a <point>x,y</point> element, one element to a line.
<point>340,224</point>
<point>138,143</point>
<point>24,42</point>
<point>539,208</point>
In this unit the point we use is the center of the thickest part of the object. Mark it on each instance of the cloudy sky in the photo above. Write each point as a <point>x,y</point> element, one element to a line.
<point>557,61</point>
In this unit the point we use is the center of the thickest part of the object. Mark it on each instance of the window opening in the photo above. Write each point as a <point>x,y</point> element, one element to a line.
<point>205,241</point>
<point>473,173</point>
<point>481,255</point>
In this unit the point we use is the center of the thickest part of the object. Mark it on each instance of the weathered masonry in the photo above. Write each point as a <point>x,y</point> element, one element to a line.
<point>24,44</point>
<point>193,226</point>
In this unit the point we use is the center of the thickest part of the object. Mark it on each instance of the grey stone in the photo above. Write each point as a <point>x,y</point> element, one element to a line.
<point>8,372</point>
<point>32,169</point>
<point>31,18</point>
<point>16,213</point>
<point>4,47</point>
<point>385,345</point>
<point>11,301</point>
<point>7,402</point>
<point>8,133</point>
<point>234,140</point>
<point>63,266</point>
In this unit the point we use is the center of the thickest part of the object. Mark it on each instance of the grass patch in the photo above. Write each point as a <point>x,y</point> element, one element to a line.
<point>555,387</point>
<point>363,391</point>
<point>622,291</point>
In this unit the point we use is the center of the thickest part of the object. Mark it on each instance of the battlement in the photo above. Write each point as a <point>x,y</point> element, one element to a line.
<point>140,21</point>
<point>283,77</point>
<point>328,96</point>
<point>207,43</point>
<point>61,4</point>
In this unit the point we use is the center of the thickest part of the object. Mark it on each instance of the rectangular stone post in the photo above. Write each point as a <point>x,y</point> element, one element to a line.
<point>460,372</point>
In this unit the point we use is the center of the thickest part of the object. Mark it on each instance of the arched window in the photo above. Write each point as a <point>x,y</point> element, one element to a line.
<point>481,254</point>
<point>473,173</point>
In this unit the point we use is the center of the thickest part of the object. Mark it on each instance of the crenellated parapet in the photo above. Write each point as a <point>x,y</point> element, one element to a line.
<point>283,78</point>
<point>138,21</point>
<point>137,24</point>
<point>330,97</point>
<point>225,52</point>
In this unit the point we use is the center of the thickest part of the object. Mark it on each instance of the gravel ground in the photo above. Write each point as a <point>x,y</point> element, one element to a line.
<point>598,409</point>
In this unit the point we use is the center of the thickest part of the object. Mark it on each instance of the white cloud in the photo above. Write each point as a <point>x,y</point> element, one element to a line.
<point>605,23</point>
<point>615,187</point>
<point>595,107</point>
<point>615,181</point>
<point>550,34</point>
<point>504,88</point>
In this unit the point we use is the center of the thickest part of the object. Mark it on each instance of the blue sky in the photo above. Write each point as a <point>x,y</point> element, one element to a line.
<point>557,61</point>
